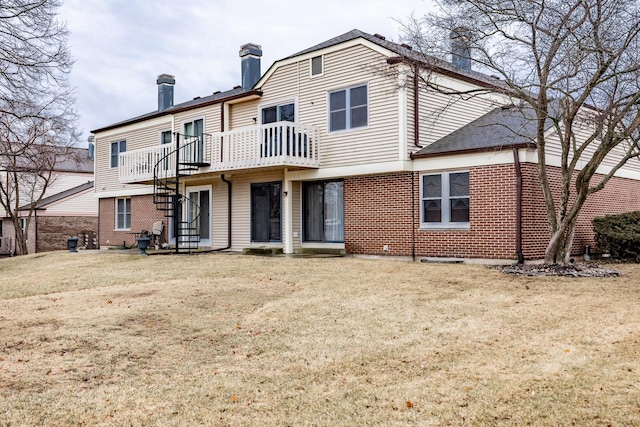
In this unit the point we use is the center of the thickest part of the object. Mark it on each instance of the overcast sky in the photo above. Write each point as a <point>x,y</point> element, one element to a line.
<point>121,46</point>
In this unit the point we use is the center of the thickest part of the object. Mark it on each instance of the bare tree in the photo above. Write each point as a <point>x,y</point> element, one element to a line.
<point>37,114</point>
<point>570,65</point>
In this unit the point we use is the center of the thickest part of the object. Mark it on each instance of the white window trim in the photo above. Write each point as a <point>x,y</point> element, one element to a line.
<point>348,109</point>
<point>119,152</point>
<point>311,75</point>
<point>194,119</point>
<point>293,101</point>
<point>446,204</point>
<point>116,213</point>
<point>160,135</point>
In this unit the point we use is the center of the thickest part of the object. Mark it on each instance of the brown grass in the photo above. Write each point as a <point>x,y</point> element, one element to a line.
<point>254,341</point>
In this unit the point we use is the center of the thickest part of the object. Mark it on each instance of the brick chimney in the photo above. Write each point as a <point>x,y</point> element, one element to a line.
<point>250,55</point>
<point>165,91</point>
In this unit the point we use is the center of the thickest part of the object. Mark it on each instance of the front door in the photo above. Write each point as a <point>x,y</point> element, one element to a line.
<point>200,209</point>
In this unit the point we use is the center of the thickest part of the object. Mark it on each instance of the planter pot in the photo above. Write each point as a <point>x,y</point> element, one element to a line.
<point>72,244</point>
<point>143,244</point>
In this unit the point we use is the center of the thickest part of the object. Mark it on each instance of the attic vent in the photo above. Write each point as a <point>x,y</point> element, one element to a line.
<point>237,87</point>
<point>217,92</point>
<point>406,46</point>
<point>380,36</point>
<point>316,65</point>
<point>197,97</point>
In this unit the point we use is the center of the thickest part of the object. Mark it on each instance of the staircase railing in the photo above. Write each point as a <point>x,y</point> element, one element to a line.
<point>170,165</point>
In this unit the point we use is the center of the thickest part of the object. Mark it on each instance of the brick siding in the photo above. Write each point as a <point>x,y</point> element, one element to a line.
<point>378,212</point>
<point>53,231</point>
<point>143,215</point>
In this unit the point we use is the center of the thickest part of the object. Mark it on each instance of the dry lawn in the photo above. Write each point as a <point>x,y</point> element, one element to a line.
<point>230,340</point>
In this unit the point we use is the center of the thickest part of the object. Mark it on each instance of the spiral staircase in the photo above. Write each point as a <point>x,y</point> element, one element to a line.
<point>183,213</point>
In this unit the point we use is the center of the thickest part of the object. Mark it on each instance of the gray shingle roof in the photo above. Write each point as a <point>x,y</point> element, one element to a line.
<point>42,204</point>
<point>194,103</point>
<point>403,51</point>
<point>500,128</point>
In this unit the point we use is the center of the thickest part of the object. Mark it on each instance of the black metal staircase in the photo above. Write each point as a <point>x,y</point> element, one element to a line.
<point>183,212</point>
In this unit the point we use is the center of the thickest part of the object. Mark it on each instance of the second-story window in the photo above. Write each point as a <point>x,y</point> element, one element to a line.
<point>316,66</point>
<point>117,148</point>
<point>348,108</point>
<point>165,137</point>
<point>279,113</point>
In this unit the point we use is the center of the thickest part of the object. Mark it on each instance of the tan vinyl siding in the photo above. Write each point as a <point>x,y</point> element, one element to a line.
<point>553,149</point>
<point>142,135</point>
<point>242,114</point>
<point>80,204</point>
<point>296,201</point>
<point>342,69</point>
<point>241,233</point>
<point>441,114</point>
<point>219,214</point>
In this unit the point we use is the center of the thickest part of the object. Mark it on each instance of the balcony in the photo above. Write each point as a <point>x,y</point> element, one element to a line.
<point>138,165</point>
<point>281,144</point>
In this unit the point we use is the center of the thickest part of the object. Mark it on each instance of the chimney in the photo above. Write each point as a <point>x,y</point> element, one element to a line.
<point>460,48</point>
<point>165,91</point>
<point>250,54</point>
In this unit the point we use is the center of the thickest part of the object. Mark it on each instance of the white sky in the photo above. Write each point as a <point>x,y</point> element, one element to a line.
<point>121,46</point>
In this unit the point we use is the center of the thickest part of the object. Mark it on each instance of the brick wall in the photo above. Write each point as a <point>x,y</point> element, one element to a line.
<point>143,215</point>
<point>619,195</point>
<point>53,231</point>
<point>378,213</point>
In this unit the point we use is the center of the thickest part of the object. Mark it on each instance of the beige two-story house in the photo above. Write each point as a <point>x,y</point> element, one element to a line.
<point>336,147</point>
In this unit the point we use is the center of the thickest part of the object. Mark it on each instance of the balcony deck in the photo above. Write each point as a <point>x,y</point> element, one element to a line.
<point>281,144</point>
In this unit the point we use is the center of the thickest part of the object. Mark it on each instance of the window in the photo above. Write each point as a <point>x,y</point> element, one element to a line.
<point>123,214</point>
<point>117,148</point>
<point>279,113</point>
<point>265,212</point>
<point>348,108</point>
<point>316,66</point>
<point>323,211</point>
<point>194,141</point>
<point>166,137</point>
<point>278,140</point>
<point>23,225</point>
<point>445,200</point>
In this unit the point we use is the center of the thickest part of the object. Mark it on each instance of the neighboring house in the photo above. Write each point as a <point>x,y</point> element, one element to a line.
<point>69,208</point>
<point>335,148</point>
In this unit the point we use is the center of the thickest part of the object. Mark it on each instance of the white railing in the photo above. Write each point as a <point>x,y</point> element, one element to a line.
<point>137,165</point>
<point>275,144</point>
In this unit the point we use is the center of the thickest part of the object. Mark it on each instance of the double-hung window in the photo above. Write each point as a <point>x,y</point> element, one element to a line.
<point>444,200</point>
<point>123,214</point>
<point>117,148</point>
<point>349,108</point>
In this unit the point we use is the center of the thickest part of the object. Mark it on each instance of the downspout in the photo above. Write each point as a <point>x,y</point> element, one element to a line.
<point>229,189</point>
<point>516,164</point>
<point>416,115</point>
<point>416,142</point>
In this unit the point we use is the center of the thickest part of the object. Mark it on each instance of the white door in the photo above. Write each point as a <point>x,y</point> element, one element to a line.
<point>200,209</point>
